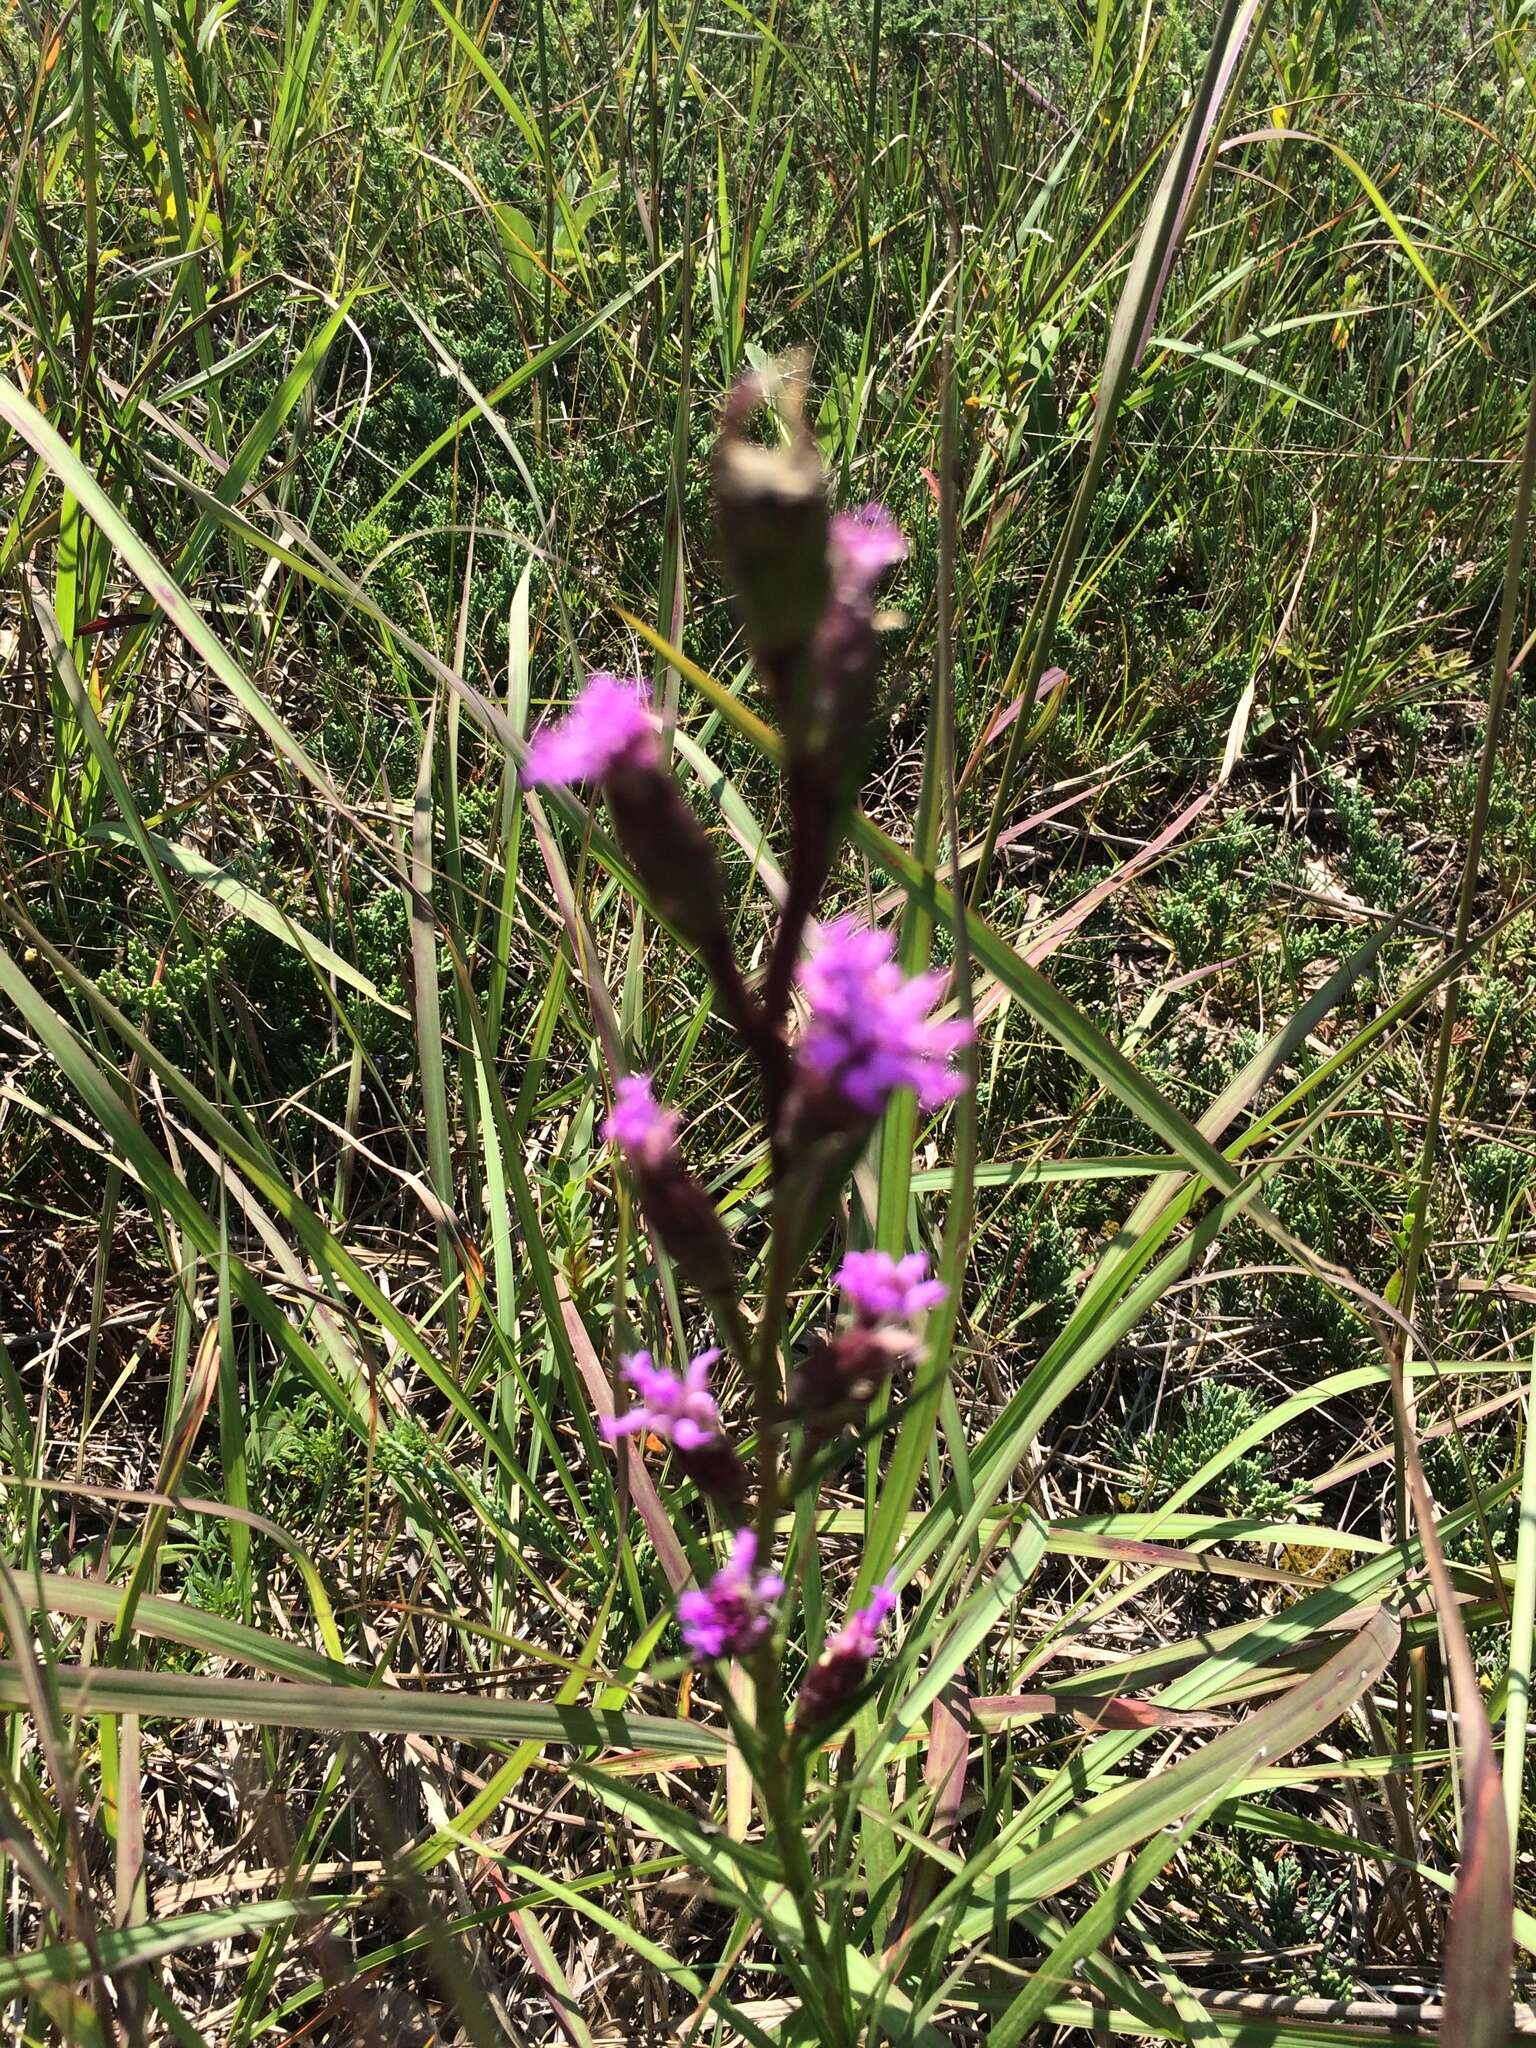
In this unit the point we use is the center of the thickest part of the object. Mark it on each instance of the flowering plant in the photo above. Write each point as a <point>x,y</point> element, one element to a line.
<point>836,1028</point>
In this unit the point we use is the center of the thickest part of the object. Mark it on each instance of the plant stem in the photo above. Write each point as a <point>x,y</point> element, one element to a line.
<point>781,1789</point>
<point>767,1381</point>
<point>1498,693</point>
<point>1522,1626</point>
<point>778,1780</point>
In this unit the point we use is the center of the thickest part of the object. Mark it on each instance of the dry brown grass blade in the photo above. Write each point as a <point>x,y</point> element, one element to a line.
<point>642,1487</point>
<point>944,1768</point>
<point>1078,913</point>
<point>202,1385</point>
<point>1479,1945</point>
<point>1094,1711</point>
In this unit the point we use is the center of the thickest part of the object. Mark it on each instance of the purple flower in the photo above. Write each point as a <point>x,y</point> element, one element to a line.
<point>860,1633</point>
<point>678,1210</point>
<point>879,1285</point>
<point>771,524</point>
<point>679,1411</point>
<point>644,1131</point>
<point>730,1616</point>
<point>839,1671</point>
<point>862,545</point>
<point>870,1031</point>
<point>845,651</point>
<point>608,726</point>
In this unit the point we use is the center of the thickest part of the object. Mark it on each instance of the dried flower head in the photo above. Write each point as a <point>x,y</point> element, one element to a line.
<point>608,726</point>
<point>732,1615</point>
<point>870,1030</point>
<point>771,522</point>
<point>848,1370</point>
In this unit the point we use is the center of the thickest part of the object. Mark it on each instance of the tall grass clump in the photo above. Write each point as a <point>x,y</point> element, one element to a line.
<point>766,968</point>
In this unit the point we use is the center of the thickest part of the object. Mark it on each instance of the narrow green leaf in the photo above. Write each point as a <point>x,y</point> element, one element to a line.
<point>375,1710</point>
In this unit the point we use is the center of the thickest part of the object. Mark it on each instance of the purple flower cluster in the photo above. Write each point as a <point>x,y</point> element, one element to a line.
<point>870,1030</point>
<point>881,1287</point>
<point>862,546</point>
<point>644,1131</point>
<point>859,1635</point>
<point>839,1671</point>
<point>609,726</point>
<point>681,1412</point>
<point>846,1371</point>
<point>806,587</point>
<point>733,1614</point>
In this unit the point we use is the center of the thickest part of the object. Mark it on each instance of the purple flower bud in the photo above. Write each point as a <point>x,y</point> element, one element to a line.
<point>609,736</point>
<point>671,854</point>
<point>608,726</point>
<point>644,1131</point>
<point>679,1411</point>
<point>826,698</point>
<point>839,1671</point>
<point>847,1371</point>
<point>831,730</point>
<point>732,1615</point>
<point>771,519</point>
<point>688,1224</point>
<point>870,1031</point>
<point>676,1207</point>
<point>879,1286</point>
